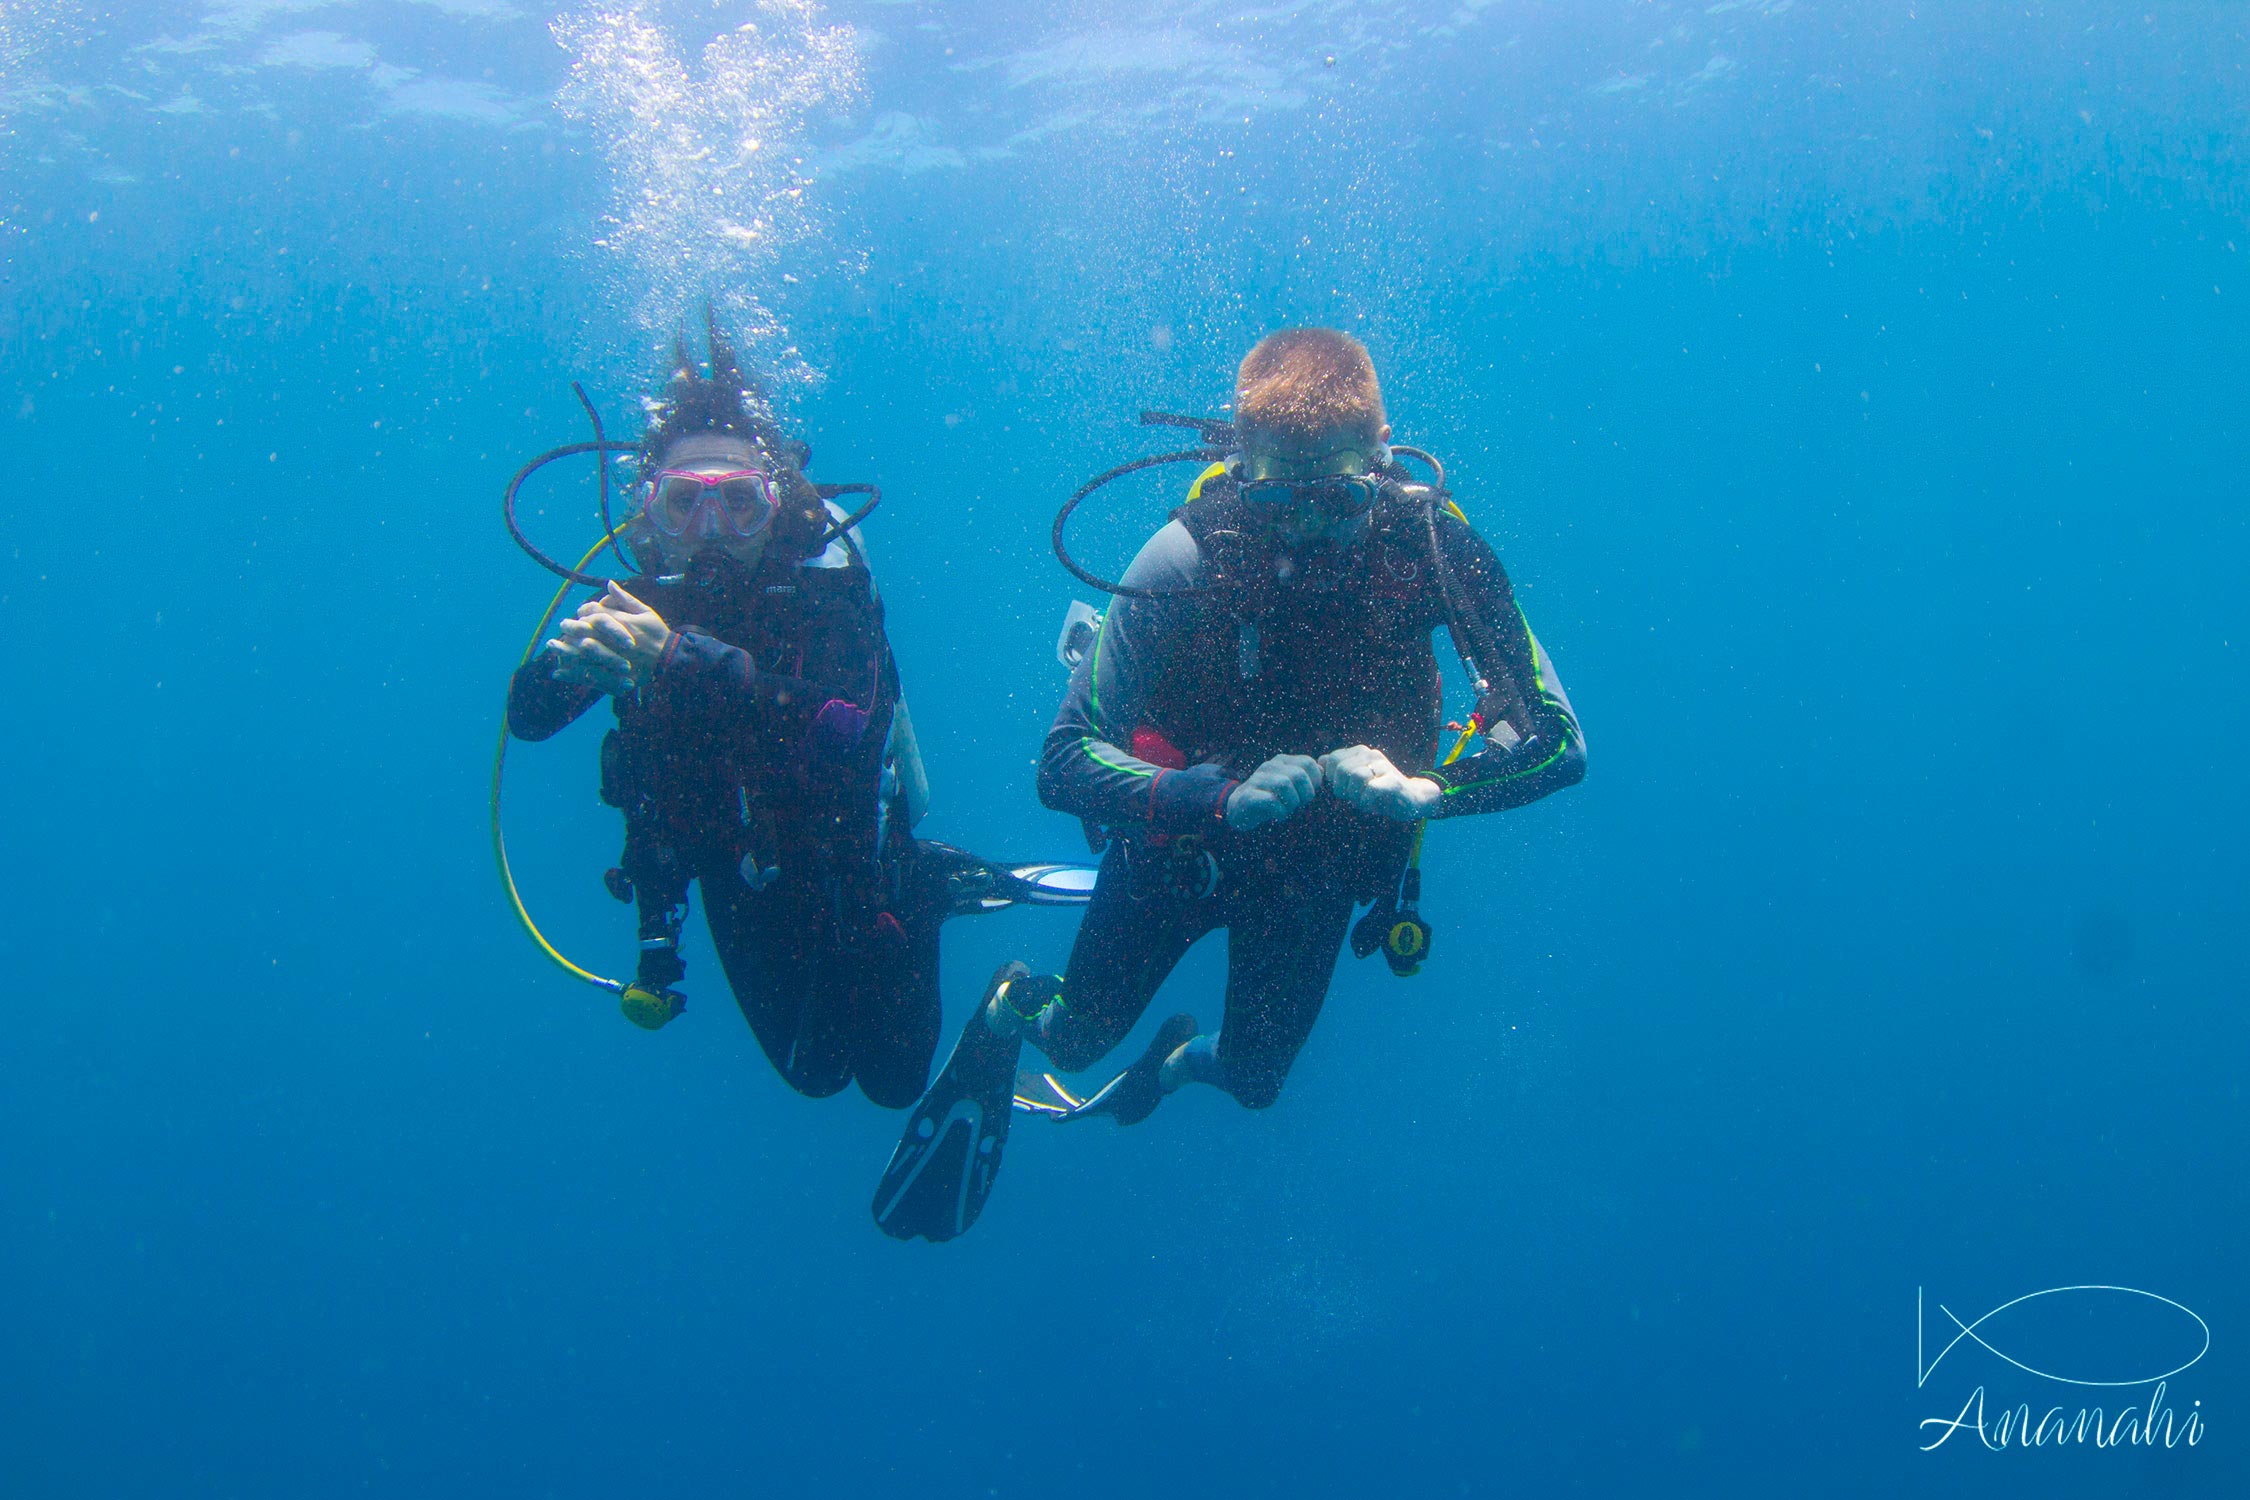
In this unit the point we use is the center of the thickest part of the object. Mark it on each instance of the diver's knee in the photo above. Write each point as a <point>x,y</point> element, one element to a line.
<point>1258,1091</point>
<point>816,1085</point>
<point>899,1092</point>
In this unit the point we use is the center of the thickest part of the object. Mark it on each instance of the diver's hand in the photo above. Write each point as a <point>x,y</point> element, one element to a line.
<point>613,643</point>
<point>1274,791</point>
<point>586,663</point>
<point>1365,778</point>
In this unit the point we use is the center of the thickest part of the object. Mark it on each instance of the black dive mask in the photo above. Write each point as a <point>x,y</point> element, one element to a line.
<point>1336,497</point>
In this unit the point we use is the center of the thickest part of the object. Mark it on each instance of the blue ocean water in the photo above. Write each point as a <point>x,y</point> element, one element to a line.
<point>1854,391</point>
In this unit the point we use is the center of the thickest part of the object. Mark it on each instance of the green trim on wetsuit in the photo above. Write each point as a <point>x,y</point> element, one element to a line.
<point>1470,786</point>
<point>1094,754</point>
<point>1094,678</point>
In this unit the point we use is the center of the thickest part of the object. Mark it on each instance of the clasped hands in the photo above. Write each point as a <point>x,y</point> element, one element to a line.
<point>612,643</point>
<point>1362,776</point>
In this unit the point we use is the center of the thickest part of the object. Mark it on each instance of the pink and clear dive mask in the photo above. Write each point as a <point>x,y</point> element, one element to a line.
<point>702,507</point>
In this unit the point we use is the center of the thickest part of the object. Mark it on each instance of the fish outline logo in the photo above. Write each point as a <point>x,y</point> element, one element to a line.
<point>1924,1367</point>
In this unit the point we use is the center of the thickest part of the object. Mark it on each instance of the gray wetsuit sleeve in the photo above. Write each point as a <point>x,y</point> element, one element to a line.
<point>1087,766</point>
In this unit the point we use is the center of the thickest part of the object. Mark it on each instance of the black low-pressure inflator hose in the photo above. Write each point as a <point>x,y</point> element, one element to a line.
<point>1062,519</point>
<point>508,507</point>
<point>1429,458</point>
<point>601,449</point>
<point>846,525</point>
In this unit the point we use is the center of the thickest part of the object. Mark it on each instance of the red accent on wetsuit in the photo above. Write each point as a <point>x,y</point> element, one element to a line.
<point>1150,745</point>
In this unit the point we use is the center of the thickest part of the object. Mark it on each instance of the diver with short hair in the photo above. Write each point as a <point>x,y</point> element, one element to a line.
<point>762,748</point>
<point>1254,733</point>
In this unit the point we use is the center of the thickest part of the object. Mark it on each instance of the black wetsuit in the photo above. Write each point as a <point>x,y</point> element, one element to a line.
<point>756,745</point>
<point>1293,653</point>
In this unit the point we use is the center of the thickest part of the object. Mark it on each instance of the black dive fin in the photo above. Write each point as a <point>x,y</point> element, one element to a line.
<point>974,885</point>
<point>1132,1096</point>
<point>946,1161</point>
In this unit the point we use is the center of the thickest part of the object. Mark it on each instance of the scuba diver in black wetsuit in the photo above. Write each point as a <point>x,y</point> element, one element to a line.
<point>1254,732</point>
<point>762,750</point>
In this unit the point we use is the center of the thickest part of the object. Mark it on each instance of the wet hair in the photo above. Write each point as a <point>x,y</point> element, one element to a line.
<point>1302,384</point>
<point>727,400</point>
